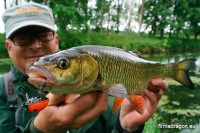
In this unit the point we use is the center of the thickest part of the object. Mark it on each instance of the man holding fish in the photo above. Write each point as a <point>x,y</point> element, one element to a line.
<point>30,34</point>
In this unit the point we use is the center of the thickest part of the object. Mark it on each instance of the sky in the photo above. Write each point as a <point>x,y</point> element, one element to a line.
<point>2,9</point>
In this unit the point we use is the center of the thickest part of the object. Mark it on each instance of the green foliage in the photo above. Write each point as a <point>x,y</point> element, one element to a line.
<point>3,50</point>
<point>144,44</point>
<point>70,14</point>
<point>176,16</point>
<point>76,22</point>
<point>182,45</point>
<point>72,38</point>
<point>129,41</point>
<point>126,40</point>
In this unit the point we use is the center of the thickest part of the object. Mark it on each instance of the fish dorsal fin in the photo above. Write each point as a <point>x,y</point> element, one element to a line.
<point>135,53</point>
<point>138,102</point>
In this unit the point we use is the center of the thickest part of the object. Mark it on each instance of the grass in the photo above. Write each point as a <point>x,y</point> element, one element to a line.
<point>130,41</point>
<point>126,40</point>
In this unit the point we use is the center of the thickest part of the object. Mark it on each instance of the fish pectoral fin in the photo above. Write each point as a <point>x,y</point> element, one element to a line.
<point>138,102</point>
<point>71,97</point>
<point>117,103</point>
<point>116,90</point>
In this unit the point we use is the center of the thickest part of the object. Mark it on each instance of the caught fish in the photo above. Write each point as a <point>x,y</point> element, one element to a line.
<point>117,72</point>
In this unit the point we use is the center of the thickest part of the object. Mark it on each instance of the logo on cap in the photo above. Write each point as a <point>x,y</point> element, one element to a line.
<point>30,10</point>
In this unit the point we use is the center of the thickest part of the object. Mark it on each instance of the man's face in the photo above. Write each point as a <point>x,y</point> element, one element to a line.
<point>30,43</point>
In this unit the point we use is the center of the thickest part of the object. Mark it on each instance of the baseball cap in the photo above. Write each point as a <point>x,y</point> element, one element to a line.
<point>28,14</point>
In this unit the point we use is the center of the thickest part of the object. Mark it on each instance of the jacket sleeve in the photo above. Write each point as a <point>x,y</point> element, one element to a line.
<point>30,128</point>
<point>119,129</point>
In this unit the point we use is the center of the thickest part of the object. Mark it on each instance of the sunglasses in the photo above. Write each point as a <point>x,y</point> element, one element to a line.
<point>26,38</point>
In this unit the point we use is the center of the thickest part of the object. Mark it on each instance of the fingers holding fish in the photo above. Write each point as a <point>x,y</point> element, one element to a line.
<point>130,119</point>
<point>157,86</point>
<point>85,108</point>
<point>99,107</point>
<point>160,83</point>
<point>55,99</point>
<point>73,115</point>
<point>83,103</point>
<point>151,102</point>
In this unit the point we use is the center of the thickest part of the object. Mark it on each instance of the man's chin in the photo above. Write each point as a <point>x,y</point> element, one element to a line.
<point>29,62</point>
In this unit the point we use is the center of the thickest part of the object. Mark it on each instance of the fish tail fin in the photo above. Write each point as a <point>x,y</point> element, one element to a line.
<point>182,69</point>
<point>117,103</point>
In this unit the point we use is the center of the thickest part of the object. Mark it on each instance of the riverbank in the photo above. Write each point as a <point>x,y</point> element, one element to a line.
<point>131,41</point>
<point>127,40</point>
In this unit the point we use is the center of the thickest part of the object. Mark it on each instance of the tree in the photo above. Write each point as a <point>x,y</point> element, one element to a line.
<point>140,16</point>
<point>5,4</point>
<point>150,16</point>
<point>130,11</point>
<point>194,17</point>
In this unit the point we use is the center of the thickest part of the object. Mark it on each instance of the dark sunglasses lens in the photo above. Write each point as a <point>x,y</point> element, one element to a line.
<point>46,36</point>
<point>26,38</point>
<point>22,40</point>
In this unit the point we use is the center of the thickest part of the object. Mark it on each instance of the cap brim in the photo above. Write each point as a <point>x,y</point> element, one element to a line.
<point>29,23</point>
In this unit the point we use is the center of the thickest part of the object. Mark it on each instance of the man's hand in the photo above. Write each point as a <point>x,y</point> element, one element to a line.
<point>131,119</point>
<point>64,117</point>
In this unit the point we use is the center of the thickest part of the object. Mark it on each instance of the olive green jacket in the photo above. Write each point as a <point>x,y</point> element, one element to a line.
<point>102,124</point>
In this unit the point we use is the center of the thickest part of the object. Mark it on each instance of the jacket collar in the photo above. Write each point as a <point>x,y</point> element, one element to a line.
<point>21,84</point>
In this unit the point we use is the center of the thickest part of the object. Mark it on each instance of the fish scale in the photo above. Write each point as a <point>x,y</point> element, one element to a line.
<point>115,71</point>
<point>119,67</point>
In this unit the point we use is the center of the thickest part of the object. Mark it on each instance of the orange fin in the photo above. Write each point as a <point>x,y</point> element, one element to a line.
<point>138,103</point>
<point>117,103</point>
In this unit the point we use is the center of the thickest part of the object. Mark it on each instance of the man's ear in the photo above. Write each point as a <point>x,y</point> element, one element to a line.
<point>8,44</point>
<point>57,40</point>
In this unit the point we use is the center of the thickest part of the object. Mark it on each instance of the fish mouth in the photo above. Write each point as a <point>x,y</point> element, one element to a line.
<point>40,78</point>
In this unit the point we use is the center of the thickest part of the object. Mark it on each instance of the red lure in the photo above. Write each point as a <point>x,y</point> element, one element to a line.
<point>36,106</point>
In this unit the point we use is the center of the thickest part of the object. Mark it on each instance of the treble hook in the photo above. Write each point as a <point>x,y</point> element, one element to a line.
<point>44,85</point>
<point>41,92</point>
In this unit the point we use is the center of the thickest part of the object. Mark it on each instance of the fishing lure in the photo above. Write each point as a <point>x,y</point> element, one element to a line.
<point>33,104</point>
<point>36,104</point>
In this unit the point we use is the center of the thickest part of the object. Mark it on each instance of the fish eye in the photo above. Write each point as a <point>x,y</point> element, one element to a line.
<point>63,63</point>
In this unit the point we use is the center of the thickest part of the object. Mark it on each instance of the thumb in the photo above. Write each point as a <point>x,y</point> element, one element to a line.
<point>55,99</point>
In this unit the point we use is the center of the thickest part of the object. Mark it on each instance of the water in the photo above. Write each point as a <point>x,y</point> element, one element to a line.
<point>179,105</point>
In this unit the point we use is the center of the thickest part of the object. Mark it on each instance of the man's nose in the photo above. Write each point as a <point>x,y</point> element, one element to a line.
<point>35,43</point>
